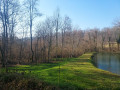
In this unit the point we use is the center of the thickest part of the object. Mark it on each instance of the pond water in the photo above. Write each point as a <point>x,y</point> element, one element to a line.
<point>107,61</point>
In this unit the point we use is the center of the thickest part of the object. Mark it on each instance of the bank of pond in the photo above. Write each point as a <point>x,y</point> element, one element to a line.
<point>71,74</point>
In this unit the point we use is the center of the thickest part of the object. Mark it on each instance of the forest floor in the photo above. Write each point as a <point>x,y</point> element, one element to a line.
<point>73,74</point>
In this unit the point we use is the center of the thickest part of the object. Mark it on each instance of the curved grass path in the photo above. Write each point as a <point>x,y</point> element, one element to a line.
<point>75,74</point>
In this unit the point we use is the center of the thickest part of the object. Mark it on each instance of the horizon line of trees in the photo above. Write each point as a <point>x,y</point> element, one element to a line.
<point>55,37</point>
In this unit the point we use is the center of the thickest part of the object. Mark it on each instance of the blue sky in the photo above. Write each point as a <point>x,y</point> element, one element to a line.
<point>85,13</point>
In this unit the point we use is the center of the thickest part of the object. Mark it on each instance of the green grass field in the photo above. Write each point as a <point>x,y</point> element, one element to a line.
<point>75,74</point>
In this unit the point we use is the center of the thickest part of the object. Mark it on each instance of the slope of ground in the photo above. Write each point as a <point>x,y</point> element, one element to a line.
<point>72,74</point>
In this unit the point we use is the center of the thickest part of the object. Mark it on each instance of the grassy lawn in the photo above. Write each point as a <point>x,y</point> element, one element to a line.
<point>75,73</point>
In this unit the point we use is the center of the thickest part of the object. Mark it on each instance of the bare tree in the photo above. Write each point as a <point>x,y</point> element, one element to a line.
<point>66,26</point>
<point>14,13</point>
<point>32,13</point>
<point>50,27</point>
<point>103,39</point>
<point>5,24</point>
<point>57,18</point>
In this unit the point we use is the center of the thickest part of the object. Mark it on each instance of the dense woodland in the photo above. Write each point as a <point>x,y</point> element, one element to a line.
<point>24,41</point>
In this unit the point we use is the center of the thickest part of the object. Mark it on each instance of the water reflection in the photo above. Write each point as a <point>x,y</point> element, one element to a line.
<point>107,61</point>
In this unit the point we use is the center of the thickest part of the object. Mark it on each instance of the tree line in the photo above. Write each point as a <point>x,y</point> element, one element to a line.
<point>23,41</point>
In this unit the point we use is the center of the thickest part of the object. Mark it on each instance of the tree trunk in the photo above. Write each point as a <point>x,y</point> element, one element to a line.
<point>57,39</point>
<point>36,51</point>
<point>31,20</point>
